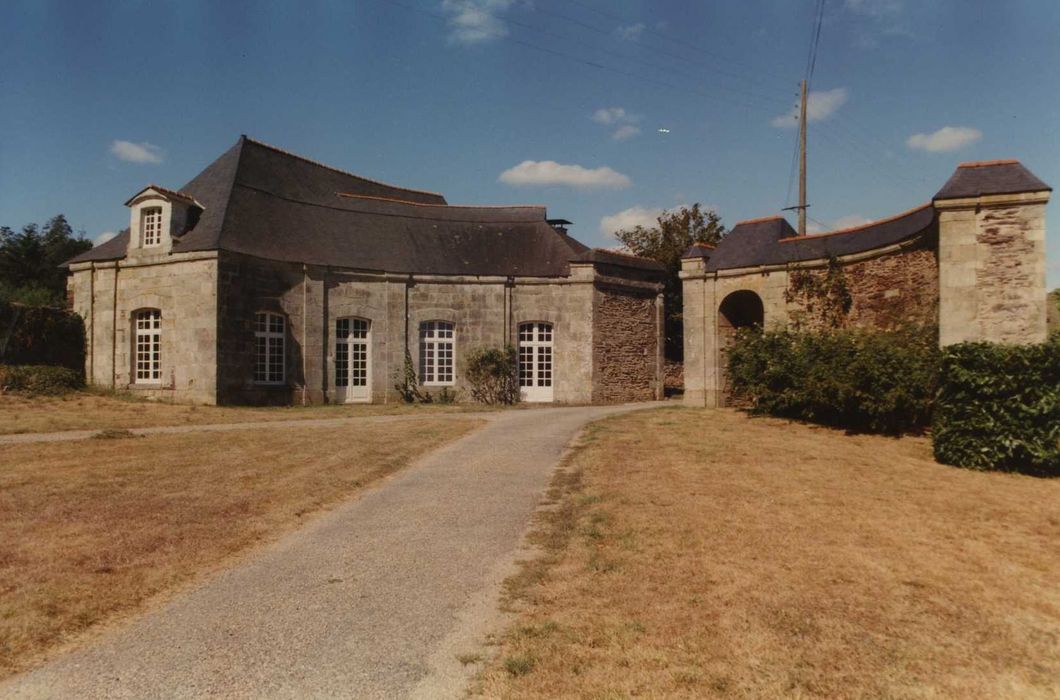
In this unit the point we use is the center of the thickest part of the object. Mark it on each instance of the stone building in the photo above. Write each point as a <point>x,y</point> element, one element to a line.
<point>270,278</point>
<point>972,261</point>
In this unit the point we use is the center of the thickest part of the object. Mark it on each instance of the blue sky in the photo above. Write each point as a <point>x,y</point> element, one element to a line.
<point>554,102</point>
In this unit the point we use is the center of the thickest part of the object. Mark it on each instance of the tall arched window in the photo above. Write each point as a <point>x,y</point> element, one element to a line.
<point>147,349</point>
<point>269,333</point>
<point>436,353</point>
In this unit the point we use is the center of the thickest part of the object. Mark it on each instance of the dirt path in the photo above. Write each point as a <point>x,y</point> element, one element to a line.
<point>373,600</point>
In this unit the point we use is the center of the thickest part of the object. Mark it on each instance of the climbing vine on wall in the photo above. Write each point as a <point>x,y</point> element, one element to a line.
<point>823,298</point>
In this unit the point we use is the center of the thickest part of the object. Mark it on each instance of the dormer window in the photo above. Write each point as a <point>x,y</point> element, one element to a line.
<point>151,226</point>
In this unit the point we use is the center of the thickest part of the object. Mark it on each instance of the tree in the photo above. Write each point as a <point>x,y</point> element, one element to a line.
<point>673,234</point>
<point>30,260</point>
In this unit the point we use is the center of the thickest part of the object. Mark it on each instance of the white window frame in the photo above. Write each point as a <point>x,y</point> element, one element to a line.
<point>147,346</point>
<point>437,353</point>
<point>270,344</point>
<point>151,226</point>
<point>353,359</point>
<point>536,360</point>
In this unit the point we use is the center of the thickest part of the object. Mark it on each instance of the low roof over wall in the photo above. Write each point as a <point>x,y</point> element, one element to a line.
<point>772,240</point>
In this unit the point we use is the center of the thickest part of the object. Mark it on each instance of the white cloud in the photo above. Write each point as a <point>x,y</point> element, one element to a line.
<point>631,32</point>
<point>103,237</point>
<point>549,172</point>
<point>476,21</point>
<point>948,138</point>
<point>142,152</point>
<point>629,218</point>
<point>611,115</point>
<point>619,117</point>
<point>819,106</point>
<point>633,217</point>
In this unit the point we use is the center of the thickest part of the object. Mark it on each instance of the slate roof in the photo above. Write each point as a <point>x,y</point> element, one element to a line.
<point>772,240</point>
<point>990,177</point>
<point>613,257</point>
<point>265,202</point>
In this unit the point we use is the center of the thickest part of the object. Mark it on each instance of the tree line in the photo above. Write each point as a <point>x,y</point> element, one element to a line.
<point>30,260</point>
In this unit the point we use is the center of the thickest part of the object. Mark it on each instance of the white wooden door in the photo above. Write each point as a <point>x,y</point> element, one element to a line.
<point>535,361</point>
<point>353,360</point>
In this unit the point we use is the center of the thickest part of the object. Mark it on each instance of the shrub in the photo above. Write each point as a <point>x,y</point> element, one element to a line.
<point>999,407</point>
<point>41,335</point>
<point>39,379</point>
<point>491,375</point>
<point>871,381</point>
<point>408,384</point>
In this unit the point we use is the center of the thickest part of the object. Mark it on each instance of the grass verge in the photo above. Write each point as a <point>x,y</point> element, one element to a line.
<point>706,554</point>
<point>93,530</point>
<point>88,410</point>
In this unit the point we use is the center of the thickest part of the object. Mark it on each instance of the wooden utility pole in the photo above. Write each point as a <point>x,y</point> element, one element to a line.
<point>802,162</point>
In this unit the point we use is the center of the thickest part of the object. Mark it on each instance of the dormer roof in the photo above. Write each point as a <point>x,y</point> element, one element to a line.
<point>169,194</point>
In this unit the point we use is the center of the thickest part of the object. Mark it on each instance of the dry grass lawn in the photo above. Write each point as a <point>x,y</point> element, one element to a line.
<point>706,554</point>
<point>94,529</point>
<point>92,411</point>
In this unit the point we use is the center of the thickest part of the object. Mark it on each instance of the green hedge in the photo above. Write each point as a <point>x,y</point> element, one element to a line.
<point>39,379</point>
<point>880,382</point>
<point>41,335</point>
<point>999,407</point>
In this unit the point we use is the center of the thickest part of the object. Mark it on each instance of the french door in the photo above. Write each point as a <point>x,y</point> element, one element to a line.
<point>353,360</point>
<point>535,361</point>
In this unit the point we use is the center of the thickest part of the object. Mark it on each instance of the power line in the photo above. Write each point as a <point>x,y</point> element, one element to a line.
<point>610,34</point>
<point>594,64</point>
<point>672,39</point>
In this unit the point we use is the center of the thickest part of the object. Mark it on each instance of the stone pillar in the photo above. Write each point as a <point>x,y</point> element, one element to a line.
<point>992,267</point>
<point>698,357</point>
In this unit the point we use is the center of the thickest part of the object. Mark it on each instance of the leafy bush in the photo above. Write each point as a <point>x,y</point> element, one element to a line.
<point>39,379</point>
<point>41,335</point>
<point>491,374</point>
<point>871,381</point>
<point>999,407</point>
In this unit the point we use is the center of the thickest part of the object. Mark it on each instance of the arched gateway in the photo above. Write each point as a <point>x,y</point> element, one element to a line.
<point>951,262</point>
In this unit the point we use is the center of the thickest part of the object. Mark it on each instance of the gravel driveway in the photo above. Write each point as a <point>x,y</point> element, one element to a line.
<point>372,600</point>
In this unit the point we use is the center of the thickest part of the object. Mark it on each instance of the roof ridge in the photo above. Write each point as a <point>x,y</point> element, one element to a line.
<point>860,227</point>
<point>622,253</point>
<point>231,189</point>
<point>988,163</point>
<point>337,170</point>
<point>446,206</point>
<point>758,220</point>
<point>381,213</point>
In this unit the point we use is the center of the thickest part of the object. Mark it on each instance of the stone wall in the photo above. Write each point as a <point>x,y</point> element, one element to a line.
<point>209,302</point>
<point>625,346</point>
<point>184,288</point>
<point>486,312</point>
<point>886,291</point>
<point>992,268</point>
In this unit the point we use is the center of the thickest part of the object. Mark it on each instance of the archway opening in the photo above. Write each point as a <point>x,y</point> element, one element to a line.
<point>741,309</point>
